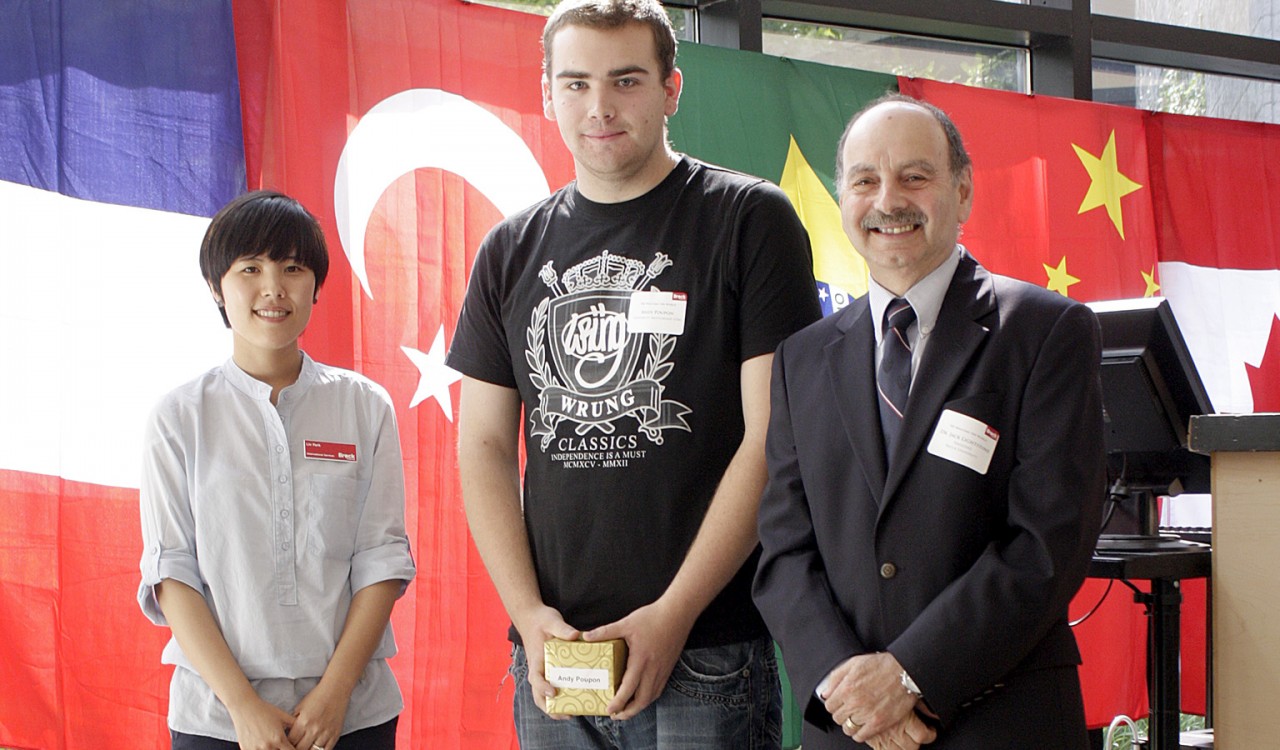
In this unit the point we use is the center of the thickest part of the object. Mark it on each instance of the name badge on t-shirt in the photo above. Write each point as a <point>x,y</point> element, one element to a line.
<point>657,312</point>
<point>964,440</point>
<point>325,451</point>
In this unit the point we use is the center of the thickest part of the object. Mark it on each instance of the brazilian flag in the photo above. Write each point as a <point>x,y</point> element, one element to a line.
<point>780,119</point>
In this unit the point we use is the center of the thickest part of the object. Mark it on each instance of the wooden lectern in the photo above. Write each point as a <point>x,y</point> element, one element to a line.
<point>1245,455</point>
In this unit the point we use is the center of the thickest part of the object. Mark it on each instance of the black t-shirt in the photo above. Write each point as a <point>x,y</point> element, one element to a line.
<point>624,326</point>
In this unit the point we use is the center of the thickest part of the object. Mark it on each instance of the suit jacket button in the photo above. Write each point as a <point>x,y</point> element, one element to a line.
<point>888,570</point>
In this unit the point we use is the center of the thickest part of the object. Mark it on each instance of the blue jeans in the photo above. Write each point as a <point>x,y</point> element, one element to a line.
<point>718,697</point>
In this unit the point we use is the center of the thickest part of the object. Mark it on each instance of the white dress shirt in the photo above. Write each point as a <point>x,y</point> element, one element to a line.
<point>926,297</point>
<point>277,514</point>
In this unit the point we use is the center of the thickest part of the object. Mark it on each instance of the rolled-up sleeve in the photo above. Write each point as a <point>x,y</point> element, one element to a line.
<point>382,546</point>
<point>168,525</point>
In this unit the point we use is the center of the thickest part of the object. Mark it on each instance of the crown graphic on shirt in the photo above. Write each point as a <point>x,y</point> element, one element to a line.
<point>605,271</point>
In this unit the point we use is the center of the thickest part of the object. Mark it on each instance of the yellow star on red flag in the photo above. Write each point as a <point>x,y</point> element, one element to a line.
<point>1059,280</point>
<point>1150,279</point>
<point>1106,185</point>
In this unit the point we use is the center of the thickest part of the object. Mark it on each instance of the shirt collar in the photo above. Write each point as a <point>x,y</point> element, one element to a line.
<point>256,389</point>
<point>925,295</point>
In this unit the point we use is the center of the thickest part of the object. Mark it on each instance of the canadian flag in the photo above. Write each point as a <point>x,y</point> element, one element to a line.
<point>1218,214</point>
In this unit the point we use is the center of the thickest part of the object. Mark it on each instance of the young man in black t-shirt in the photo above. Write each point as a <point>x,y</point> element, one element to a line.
<point>633,315</point>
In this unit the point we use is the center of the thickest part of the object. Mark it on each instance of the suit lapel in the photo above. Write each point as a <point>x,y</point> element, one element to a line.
<point>959,332</point>
<point>850,362</point>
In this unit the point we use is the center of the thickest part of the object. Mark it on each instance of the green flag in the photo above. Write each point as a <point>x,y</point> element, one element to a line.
<point>780,119</point>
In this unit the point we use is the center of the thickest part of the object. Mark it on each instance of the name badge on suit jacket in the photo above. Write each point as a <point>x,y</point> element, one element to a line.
<point>964,440</point>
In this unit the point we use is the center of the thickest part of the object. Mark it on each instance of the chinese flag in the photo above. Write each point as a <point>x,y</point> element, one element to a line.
<point>1062,198</point>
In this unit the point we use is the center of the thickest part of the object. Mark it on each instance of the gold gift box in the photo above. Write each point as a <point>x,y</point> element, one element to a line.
<point>585,675</point>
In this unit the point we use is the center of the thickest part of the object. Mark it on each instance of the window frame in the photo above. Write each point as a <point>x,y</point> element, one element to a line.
<point>1062,36</point>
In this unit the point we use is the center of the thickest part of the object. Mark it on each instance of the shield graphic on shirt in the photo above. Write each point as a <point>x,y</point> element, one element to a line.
<point>590,344</point>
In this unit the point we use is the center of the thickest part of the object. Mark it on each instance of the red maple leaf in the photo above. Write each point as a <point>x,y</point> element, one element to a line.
<point>1264,379</point>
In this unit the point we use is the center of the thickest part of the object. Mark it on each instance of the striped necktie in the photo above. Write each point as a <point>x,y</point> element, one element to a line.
<point>893,381</point>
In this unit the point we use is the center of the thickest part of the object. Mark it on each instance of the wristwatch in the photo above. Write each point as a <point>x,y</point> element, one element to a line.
<point>912,689</point>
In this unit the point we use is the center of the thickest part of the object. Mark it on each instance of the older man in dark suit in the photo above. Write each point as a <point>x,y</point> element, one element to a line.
<point>936,474</point>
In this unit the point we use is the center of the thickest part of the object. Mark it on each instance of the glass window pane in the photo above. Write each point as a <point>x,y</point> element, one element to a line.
<point>681,18</point>
<point>1186,92</point>
<point>986,65</point>
<point>1260,18</point>
<point>539,7</point>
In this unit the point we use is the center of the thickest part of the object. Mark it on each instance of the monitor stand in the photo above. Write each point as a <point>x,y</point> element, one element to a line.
<point>1145,543</point>
<point>1149,538</point>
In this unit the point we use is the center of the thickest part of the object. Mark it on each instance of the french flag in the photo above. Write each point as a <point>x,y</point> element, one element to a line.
<point>120,136</point>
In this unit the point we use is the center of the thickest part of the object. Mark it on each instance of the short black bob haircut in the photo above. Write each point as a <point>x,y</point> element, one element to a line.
<point>262,222</point>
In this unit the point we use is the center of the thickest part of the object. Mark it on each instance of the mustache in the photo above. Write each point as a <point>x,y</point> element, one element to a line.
<point>879,219</point>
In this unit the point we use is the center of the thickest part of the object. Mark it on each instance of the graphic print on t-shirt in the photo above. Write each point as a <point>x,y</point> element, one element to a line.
<point>601,378</point>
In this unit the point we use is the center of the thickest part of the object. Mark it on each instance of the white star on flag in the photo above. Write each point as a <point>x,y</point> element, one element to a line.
<point>436,376</point>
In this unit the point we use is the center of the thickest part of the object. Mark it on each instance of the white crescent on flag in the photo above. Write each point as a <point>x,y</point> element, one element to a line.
<point>429,128</point>
<point>422,128</point>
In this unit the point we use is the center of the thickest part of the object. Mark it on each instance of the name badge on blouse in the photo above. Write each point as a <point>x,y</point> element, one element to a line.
<point>964,440</point>
<point>325,451</point>
<point>657,312</point>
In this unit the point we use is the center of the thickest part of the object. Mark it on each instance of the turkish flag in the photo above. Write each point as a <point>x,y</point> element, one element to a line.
<point>409,128</point>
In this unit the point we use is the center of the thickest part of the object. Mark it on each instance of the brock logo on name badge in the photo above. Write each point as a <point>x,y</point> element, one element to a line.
<point>964,440</point>
<point>326,451</point>
<point>599,371</point>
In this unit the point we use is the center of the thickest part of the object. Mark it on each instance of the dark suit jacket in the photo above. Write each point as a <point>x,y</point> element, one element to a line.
<point>964,577</point>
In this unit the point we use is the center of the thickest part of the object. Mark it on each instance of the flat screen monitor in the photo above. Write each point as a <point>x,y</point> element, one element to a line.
<point>1150,391</point>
